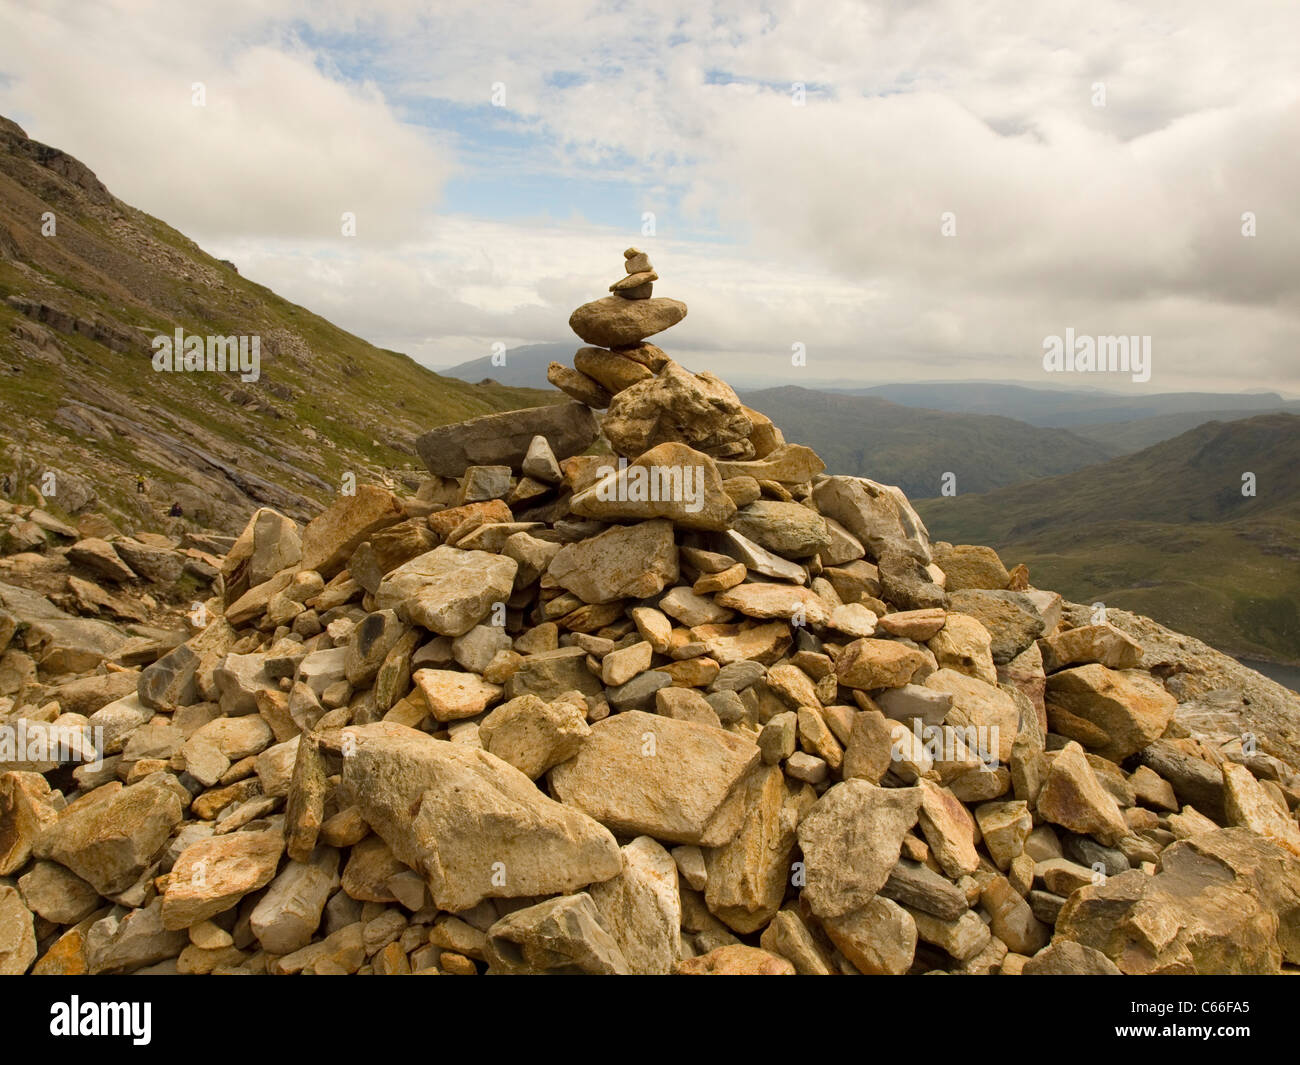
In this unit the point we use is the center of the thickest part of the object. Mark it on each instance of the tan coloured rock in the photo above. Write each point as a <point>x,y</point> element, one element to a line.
<point>971,566</point>
<point>533,735</point>
<point>736,959</point>
<point>747,876</point>
<point>775,601</point>
<point>473,825</point>
<point>331,537</point>
<point>786,463</point>
<point>613,371</point>
<point>642,908</point>
<point>1004,827</point>
<point>851,840</point>
<point>879,938</point>
<point>212,875</point>
<point>1129,709</point>
<point>1248,805</point>
<point>624,562</point>
<point>670,481</point>
<point>17,934</point>
<point>109,836</point>
<point>963,644</point>
<point>787,936</point>
<point>452,696</point>
<point>949,830</point>
<point>867,664</point>
<point>790,530</point>
<point>563,935</point>
<point>578,386</point>
<point>448,591</point>
<point>612,321</point>
<point>643,774</point>
<point>26,810</point>
<point>1090,643</point>
<point>1073,798</point>
<point>918,625</point>
<point>694,409</point>
<point>980,706</point>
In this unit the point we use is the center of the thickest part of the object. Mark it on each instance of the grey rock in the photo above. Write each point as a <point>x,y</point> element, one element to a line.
<point>504,439</point>
<point>919,887</point>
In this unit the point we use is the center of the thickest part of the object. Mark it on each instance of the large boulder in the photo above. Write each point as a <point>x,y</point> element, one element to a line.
<point>447,590</point>
<point>694,409</point>
<point>645,774</point>
<point>1113,713</point>
<point>471,824</point>
<point>1227,902</point>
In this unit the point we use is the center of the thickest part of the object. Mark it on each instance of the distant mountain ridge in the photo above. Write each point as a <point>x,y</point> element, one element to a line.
<point>915,449</point>
<point>1067,409</point>
<point>520,367</point>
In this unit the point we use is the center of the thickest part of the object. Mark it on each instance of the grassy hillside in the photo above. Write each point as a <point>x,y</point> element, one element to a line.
<point>1164,532</point>
<point>78,311</point>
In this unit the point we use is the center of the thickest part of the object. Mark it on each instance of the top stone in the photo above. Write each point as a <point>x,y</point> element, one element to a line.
<point>637,261</point>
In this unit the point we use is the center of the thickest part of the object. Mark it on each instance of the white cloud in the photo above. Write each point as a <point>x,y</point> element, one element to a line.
<point>1115,219</point>
<point>279,148</point>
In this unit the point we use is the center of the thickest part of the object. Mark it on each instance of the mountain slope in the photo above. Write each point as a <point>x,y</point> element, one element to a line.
<point>1145,432</point>
<point>79,396</point>
<point>1165,532</point>
<point>913,448</point>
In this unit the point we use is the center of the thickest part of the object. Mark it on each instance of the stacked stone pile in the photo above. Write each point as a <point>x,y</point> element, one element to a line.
<point>693,707</point>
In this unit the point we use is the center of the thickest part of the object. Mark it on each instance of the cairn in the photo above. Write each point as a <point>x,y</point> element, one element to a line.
<point>690,707</point>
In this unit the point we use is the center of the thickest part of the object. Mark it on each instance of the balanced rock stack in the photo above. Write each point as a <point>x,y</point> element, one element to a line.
<point>697,709</point>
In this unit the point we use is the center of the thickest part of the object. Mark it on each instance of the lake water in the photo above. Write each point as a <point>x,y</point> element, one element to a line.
<point>1288,676</point>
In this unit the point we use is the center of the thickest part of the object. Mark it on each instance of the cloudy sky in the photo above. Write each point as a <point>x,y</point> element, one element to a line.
<point>799,159</point>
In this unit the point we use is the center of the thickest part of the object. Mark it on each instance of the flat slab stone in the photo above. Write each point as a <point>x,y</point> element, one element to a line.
<point>613,321</point>
<point>503,439</point>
